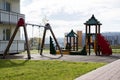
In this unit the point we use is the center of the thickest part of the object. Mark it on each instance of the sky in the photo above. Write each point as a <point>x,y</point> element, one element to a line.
<point>65,15</point>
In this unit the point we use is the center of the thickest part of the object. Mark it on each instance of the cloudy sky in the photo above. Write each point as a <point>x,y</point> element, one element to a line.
<point>64,15</point>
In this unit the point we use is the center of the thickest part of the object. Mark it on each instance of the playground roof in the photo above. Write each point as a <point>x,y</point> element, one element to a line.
<point>92,21</point>
<point>72,34</point>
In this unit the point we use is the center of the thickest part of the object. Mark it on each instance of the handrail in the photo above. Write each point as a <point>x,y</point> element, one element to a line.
<point>11,11</point>
<point>10,17</point>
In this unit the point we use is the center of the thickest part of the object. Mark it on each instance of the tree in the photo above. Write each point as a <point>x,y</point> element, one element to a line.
<point>52,47</point>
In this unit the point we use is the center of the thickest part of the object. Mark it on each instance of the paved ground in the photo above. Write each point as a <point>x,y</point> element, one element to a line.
<point>107,72</point>
<point>75,58</point>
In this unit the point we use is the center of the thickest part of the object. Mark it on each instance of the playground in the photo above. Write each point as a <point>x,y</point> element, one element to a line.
<point>93,39</point>
<point>102,51</point>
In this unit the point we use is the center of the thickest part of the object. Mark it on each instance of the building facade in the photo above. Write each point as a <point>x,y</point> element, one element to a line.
<point>9,15</point>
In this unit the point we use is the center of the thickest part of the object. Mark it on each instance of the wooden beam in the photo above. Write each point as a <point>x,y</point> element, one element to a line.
<point>19,24</point>
<point>43,41</point>
<point>27,44</point>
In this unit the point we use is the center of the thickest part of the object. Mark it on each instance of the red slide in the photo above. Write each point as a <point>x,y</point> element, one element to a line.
<point>104,45</point>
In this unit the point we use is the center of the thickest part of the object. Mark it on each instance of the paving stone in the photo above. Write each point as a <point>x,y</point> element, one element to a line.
<point>107,72</point>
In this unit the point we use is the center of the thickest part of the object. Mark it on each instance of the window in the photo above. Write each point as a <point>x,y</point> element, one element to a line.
<point>7,6</point>
<point>6,34</point>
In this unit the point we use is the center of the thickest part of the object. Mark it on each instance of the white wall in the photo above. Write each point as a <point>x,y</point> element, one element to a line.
<point>15,5</point>
<point>1,4</point>
<point>12,27</point>
<point>1,36</point>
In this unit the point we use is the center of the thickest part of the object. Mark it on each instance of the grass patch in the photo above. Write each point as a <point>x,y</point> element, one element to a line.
<point>44,70</point>
<point>34,51</point>
<point>116,51</point>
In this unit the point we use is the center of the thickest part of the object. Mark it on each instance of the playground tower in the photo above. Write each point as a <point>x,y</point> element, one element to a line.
<point>91,36</point>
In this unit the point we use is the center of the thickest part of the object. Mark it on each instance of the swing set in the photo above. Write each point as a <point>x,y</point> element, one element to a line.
<point>32,40</point>
<point>21,23</point>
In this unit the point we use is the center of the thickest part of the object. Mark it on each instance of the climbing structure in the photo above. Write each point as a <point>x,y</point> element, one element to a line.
<point>72,41</point>
<point>94,38</point>
<point>92,22</point>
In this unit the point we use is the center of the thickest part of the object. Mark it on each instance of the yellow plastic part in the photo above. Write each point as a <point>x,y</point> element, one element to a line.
<point>63,51</point>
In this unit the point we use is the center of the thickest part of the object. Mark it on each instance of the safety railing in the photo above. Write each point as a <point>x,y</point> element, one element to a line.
<point>10,17</point>
<point>16,47</point>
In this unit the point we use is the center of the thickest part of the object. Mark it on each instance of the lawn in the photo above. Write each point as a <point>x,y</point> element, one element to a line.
<point>44,70</point>
<point>116,51</point>
<point>36,51</point>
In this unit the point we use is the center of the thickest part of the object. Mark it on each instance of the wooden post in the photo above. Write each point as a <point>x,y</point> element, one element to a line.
<point>86,37</point>
<point>77,43</point>
<point>96,40</point>
<point>99,29</point>
<point>27,45</point>
<point>70,45</point>
<point>89,39</point>
<point>43,40</point>
<point>74,44</point>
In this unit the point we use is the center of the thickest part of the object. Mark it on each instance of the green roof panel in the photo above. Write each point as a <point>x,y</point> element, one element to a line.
<point>72,34</point>
<point>92,21</point>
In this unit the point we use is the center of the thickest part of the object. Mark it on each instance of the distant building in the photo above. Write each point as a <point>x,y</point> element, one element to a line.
<point>9,15</point>
<point>112,38</point>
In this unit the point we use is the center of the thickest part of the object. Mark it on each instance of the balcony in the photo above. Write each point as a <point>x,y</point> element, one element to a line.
<point>9,17</point>
<point>16,47</point>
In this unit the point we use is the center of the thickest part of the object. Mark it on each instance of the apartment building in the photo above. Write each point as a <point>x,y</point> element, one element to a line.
<point>9,15</point>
